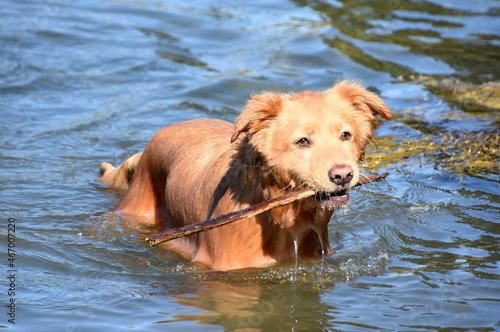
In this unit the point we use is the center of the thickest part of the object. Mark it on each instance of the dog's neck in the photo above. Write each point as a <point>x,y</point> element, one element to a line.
<point>302,223</point>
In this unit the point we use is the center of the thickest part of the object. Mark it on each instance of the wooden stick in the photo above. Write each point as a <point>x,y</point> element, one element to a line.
<point>227,218</point>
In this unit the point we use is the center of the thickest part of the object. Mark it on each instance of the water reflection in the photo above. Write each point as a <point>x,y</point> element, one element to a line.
<point>404,37</point>
<point>256,306</point>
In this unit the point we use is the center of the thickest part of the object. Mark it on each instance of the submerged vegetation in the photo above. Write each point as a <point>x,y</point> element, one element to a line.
<point>466,96</point>
<point>472,153</point>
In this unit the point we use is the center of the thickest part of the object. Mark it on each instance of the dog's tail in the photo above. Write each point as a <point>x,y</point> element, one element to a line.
<point>120,177</point>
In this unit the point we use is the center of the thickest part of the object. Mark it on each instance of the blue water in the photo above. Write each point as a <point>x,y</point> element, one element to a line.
<point>87,82</point>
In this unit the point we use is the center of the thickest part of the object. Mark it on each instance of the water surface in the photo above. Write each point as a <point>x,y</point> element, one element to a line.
<point>86,82</point>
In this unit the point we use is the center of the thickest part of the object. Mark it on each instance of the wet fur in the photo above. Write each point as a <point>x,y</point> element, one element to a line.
<point>199,169</point>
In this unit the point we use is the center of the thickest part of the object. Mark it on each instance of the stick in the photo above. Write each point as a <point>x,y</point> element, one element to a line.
<point>227,218</point>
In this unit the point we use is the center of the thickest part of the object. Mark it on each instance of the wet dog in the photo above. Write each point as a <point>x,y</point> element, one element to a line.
<point>200,169</point>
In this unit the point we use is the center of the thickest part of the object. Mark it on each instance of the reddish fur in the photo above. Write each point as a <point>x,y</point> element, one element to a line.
<point>204,168</point>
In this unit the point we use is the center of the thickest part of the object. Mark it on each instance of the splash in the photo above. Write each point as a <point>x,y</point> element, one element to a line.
<point>343,268</point>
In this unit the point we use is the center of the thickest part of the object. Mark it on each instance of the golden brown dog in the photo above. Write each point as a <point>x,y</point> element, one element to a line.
<point>199,169</point>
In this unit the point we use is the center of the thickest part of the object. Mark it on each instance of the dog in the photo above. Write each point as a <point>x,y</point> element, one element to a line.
<point>200,169</point>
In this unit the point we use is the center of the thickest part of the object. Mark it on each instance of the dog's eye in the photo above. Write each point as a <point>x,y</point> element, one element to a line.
<point>345,136</point>
<point>303,142</point>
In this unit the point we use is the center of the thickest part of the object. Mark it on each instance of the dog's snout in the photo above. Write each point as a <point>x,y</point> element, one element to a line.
<point>341,175</point>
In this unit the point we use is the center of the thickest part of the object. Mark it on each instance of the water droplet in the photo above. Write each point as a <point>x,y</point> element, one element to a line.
<point>296,246</point>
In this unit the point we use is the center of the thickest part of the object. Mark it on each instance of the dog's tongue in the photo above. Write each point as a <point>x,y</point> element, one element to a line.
<point>335,200</point>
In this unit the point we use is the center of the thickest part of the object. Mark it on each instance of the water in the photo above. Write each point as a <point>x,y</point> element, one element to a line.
<point>86,82</point>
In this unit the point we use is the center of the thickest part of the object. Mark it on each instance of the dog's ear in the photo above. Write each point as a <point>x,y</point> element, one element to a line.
<point>363,99</point>
<point>255,116</point>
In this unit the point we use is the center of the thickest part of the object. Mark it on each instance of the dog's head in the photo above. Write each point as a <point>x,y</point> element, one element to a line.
<point>313,139</point>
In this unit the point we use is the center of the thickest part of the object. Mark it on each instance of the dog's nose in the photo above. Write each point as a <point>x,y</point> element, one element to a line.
<point>341,175</point>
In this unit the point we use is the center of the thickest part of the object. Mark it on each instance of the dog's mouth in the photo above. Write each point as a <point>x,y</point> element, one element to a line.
<point>334,200</point>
